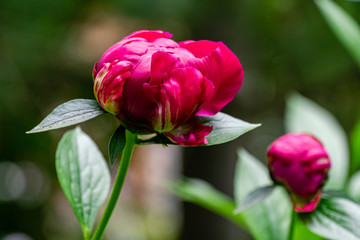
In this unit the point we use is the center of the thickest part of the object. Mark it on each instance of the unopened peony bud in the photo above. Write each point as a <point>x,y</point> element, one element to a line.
<point>300,163</point>
<point>155,85</point>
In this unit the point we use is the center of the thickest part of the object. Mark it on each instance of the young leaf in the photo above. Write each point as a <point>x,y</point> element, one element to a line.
<point>254,198</point>
<point>303,115</point>
<point>204,195</point>
<point>270,219</point>
<point>116,144</point>
<point>83,176</point>
<point>69,113</point>
<point>335,218</point>
<point>225,128</point>
<point>343,25</point>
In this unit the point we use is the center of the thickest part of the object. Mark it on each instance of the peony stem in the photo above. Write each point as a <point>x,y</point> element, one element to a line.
<point>118,184</point>
<point>292,225</point>
<point>86,234</point>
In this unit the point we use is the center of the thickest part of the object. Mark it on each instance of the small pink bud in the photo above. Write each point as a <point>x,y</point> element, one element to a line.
<point>300,163</point>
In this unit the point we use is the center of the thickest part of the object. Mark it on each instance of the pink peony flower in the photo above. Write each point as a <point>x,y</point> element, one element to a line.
<point>155,85</point>
<point>300,163</point>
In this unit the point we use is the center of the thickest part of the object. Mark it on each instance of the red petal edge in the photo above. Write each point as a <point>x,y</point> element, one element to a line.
<point>310,206</point>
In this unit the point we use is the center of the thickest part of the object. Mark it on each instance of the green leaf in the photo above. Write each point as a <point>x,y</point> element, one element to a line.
<point>303,115</point>
<point>355,147</point>
<point>353,188</point>
<point>270,219</point>
<point>333,193</point>
<point>83,176</point>
<point>301,232</point>
<point>255,197</point>
<point>203,194</point>
<point>335,218</point>
<point>225,128</point>
<point>116,144</point>
<point>343,25</point>
<point>69,113</point>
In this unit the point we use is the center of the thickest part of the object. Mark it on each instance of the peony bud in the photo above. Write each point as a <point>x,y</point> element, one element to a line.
<point>155,85</point>
<point>300,163</point>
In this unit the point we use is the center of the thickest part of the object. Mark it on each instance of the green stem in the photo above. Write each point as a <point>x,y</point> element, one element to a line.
<point>292,225</point>
<point>119,182</point>
<point>86,233</point>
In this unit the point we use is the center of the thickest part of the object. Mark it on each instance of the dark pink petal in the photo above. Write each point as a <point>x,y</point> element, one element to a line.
<point>200,48</point>
<point>149,35</point>
<point>230,76</point>
<point>192,133</point>
<point>188,90</point>
<point>296,179</point>
<point>162,63</point>
<point>210,66</point>
<point>179,94</point>
<point>138,107</point>
<point>322,164</point>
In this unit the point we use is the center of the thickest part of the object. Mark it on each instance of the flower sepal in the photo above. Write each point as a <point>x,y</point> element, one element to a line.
<point>224,127</point>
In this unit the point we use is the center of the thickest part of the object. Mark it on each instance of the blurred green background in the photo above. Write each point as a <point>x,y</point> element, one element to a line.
<point>47,51</point>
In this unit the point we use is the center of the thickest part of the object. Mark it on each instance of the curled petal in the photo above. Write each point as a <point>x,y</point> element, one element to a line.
<point>200,48</point>
<point>138,107</point>
<point>179,96</point>
<point>94,72</point>
<point>231,74</point>
<point>141,108</point>
<point>108,85</point>
<point>191,134</point>
<point>162,62</point>
<point>210,66</point>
